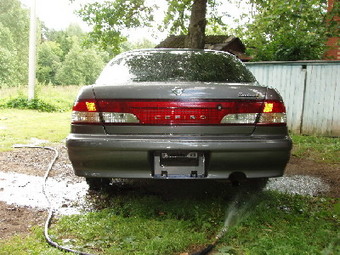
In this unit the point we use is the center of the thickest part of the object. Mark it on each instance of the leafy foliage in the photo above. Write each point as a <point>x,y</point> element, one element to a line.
<point>53,49</point>
<point>34,104</point>
<point>81,66</point>
<point>63,59</point>
<point>274,30</point>
<point>142,44</point>
<point>7,62</point>
<point>110,18</point>
<point>288,29</point>
<point>177,17</point>
<point>14,26</point>
<point>49,60</point>
<point>64,40</point>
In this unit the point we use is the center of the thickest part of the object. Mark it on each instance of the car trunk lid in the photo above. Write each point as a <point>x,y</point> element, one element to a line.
<point>175,108</point>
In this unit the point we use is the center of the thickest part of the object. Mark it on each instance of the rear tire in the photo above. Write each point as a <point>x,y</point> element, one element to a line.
<point>96,184</point>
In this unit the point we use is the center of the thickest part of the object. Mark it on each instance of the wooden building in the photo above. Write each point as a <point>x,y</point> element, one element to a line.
<point>226,43</point>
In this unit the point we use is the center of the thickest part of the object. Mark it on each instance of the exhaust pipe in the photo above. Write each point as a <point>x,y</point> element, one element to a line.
<point>237,178</point>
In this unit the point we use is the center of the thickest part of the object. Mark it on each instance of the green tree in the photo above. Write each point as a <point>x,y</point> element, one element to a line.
<point>64,59</point>
<point>287,29</point>
<point>49,60</point>
<point>81,66</point>
<point>111,18</point>
<point>65,38</point>
<point>75,30</point>
<point>274,30</point>
<point>141,44</point>
<point>14,50</point>
<point>7,63</point>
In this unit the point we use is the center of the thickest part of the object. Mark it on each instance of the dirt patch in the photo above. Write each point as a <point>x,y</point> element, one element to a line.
<point>18,220</point>
<point>327,172</point>
<point>34,161</point>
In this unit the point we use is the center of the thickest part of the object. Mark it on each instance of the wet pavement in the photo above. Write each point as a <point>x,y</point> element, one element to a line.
<point>27,191</point>
<point>69,197</point>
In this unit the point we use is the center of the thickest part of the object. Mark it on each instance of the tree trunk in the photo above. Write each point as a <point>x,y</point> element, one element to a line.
<point>196,35</point>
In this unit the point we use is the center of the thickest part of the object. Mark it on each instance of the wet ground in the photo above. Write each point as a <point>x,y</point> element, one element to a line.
<point>69,197</point>
<point>23,202</point>
<point>26,191</point>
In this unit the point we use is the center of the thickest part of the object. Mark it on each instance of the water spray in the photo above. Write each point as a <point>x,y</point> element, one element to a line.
<point>234,214</point>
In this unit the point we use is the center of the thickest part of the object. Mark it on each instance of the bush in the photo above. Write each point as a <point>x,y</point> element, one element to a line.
<point>33,104</point>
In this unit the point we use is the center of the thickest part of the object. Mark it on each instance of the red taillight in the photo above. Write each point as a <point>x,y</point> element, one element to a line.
<point>273,106</point>
<point>273,113</point>
<point>85,106</point>
<point>165,112</point>
<point>85,112</point>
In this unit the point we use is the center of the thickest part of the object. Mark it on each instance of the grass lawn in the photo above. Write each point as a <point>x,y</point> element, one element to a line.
<point>62,97</point>
<point>268,223</point>
<point>320,149</point>
<point>20,126</point>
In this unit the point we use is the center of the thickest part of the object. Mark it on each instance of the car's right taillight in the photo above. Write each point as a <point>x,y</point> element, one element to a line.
<point>273,113</point>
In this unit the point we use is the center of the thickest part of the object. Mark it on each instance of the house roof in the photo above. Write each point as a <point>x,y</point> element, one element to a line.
<point>226,43</point>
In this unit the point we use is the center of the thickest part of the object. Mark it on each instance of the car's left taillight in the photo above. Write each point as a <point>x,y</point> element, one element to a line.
<point>85,112</point>
<point>89,112</point>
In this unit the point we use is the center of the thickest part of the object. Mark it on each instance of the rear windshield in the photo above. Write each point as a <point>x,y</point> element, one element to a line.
<point>167,66</point>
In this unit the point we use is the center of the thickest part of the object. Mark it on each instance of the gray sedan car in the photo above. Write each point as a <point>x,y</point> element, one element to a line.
<point>177,114</point>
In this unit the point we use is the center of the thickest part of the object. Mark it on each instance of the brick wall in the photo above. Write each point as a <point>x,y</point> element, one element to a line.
<point>334,42</point>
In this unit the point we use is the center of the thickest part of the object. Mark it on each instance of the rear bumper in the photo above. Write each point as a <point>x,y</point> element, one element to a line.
<point>124,156</point>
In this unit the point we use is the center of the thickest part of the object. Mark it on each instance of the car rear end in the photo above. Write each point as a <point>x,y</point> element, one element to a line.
<point>178,129</point>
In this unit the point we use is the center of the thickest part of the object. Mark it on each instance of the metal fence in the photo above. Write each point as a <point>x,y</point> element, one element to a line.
<point>310,90</point>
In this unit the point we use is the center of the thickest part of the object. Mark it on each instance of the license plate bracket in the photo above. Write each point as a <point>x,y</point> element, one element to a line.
<point>179,164</point>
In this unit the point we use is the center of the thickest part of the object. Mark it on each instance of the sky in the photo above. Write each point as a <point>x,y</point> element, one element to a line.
<point>59,14</point>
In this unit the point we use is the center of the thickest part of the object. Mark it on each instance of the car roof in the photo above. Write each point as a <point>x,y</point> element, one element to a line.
<point>151,50</point>
<point>176,49</point>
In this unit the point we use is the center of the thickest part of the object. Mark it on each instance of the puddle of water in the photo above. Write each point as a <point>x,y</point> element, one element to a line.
<point>70,198</point>
<point>25,190</point>
<point>298,184</point>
